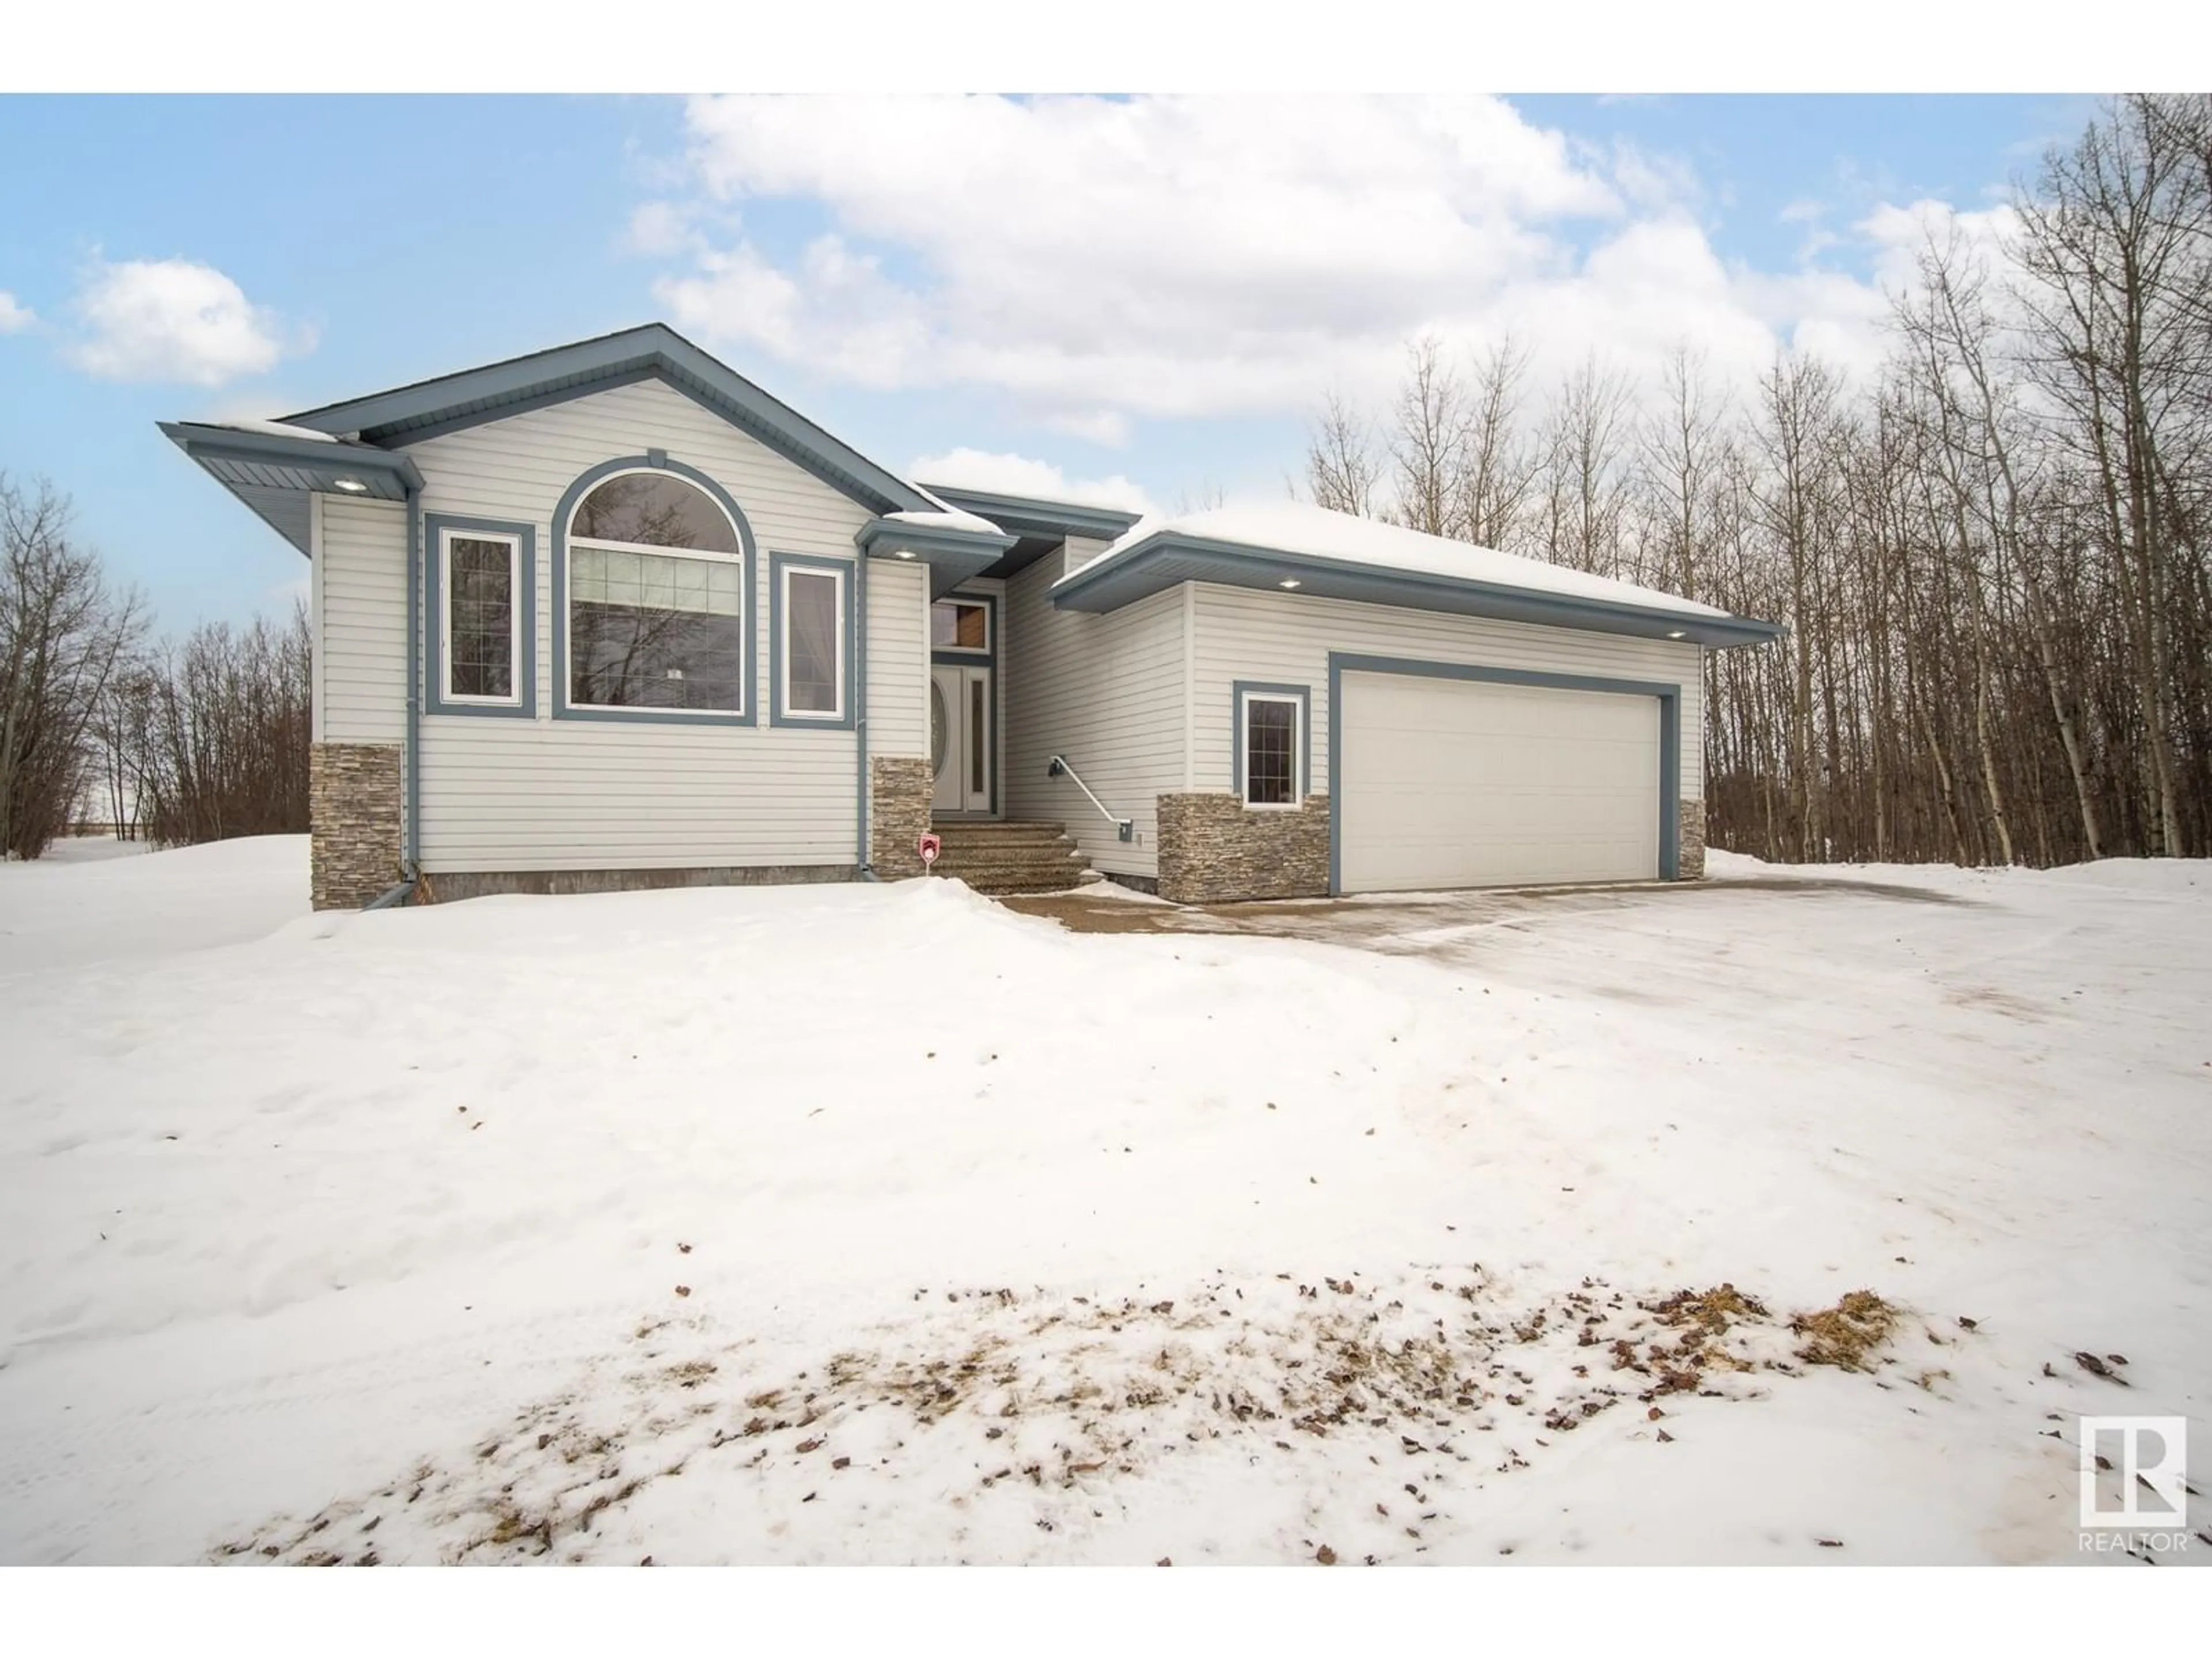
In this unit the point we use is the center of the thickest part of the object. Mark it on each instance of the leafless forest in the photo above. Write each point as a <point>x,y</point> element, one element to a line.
<point>180,742</point>
<point>1992,560</point>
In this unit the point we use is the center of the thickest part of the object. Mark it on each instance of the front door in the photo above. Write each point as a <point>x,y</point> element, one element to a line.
<point>960,738</point>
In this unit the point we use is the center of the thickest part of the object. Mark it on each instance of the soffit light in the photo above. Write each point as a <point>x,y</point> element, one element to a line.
<point>351,486</point>
<point>1675,634</point>
<point>1288,581</point>
<point>904,553</point>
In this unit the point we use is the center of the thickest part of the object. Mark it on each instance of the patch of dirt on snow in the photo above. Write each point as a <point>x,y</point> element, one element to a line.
<point>1443,1377</point>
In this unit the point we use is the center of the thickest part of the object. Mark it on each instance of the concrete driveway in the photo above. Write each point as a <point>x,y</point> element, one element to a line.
<point>1448,924</point>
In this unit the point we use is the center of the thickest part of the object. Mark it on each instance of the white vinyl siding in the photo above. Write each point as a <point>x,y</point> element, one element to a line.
<point>1285,638</point>
<point>548,794</point>
<point>1106,691</point>
<point>1469,783</point>
<point>898,657</point>
<point>361,587</point>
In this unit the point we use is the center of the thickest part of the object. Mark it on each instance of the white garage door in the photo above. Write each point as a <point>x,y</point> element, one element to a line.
<point>1464,783</point>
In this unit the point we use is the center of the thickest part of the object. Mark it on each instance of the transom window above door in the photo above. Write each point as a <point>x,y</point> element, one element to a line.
<point>960,625</point>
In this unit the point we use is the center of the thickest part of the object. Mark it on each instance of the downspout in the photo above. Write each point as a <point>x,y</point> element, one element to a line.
<point>864,865</point>
<point>411,789</point>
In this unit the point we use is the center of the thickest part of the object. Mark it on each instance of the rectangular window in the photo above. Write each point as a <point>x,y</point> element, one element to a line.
<point>479,575</point>
<point>959,625</point>
<point>1271,750</point>
<point>655,630</point>
<point>812,649</point>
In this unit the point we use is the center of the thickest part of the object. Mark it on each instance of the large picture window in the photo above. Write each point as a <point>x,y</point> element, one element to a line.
<point>656,596</point>
<point>1271,747</point>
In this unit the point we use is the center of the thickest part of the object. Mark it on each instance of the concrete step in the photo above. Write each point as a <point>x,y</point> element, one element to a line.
<point>1010,856</point>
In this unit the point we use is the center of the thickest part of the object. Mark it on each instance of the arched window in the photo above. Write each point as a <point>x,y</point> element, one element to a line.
<point>656,593</point>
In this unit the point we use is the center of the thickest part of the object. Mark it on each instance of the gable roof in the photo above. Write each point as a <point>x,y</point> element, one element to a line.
<point>1314,552</point>
<point>453,403</point>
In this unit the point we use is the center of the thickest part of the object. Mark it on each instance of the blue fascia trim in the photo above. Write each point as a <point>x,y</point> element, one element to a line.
<point>435,526</point>
<point>777,715</point>
<point>472,397</point>
<point>278,471</point>
<point>1035,515</point>
<point>338,459</point>
<point>1128,576</point>
<point>1341,663</point>
<point>880,536</point>
<point>548,399</point>
<point>941,658</point>
<point>751,583</point>
<point>1303,694</point>
<point>952,555</point>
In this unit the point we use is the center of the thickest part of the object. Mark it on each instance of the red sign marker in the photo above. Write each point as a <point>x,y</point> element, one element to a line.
<point>930,846</point>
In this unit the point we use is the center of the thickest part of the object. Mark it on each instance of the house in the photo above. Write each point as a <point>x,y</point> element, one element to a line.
<point>610,615</point>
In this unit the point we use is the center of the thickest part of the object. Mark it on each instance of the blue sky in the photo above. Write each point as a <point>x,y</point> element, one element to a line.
<point>1139,299</point>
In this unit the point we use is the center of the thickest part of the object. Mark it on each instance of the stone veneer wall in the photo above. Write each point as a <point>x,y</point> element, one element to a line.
<point>1214,849</point>
<point>1692,866</point>
<point>900,794</point>
<point>353,822</point>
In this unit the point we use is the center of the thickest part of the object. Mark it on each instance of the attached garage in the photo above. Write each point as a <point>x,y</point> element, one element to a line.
<point>1449,775</point>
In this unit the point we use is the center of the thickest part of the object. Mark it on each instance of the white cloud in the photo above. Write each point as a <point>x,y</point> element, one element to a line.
<point>1104,261</point>
<point>13,314</point>
<point>173,320</point>
<point>1019,475</point>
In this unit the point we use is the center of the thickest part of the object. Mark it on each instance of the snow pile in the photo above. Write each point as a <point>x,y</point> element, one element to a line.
<point>911,1229</point>
<point>1345,538</point>
<point>80,904</point>
<point>944,516</point>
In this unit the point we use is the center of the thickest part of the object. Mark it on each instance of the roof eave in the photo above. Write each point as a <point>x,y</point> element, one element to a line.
<point>1163,561</point>
<point>952,554</point>
<point>1034,515</point>
<point>261,471</point>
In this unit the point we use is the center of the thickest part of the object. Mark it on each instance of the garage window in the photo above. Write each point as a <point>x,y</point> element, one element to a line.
<point>1271,731</point>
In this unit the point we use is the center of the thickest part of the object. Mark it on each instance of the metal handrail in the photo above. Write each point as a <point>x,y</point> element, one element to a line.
<point>1124,829</point>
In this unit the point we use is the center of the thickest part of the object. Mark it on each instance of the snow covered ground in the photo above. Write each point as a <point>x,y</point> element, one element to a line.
<point>881,1223</point>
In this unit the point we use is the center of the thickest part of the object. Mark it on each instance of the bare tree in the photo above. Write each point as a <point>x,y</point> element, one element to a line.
<point>1342,470</point>
<point>62,633</point>
<point>1497,468</point>
<point>1428,441</point>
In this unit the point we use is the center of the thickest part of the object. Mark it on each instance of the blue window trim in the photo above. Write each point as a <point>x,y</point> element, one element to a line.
<point>749,582</point>
<point>1341,663</point>
<point>778,715</point>
<point>436,527</point>
<point>941,658</point>
<point>1303,696</point>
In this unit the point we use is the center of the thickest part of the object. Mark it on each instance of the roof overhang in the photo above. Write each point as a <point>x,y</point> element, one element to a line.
<point>952,555</point>
<point>1162,561</point>
<point>454,402</point>
<point>1033,516</point>
<point>275,475</point>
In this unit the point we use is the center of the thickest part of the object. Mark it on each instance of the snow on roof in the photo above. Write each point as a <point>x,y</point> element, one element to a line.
<point>1317,532</point>
<point>270,428</point>
<point>946,518</point>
